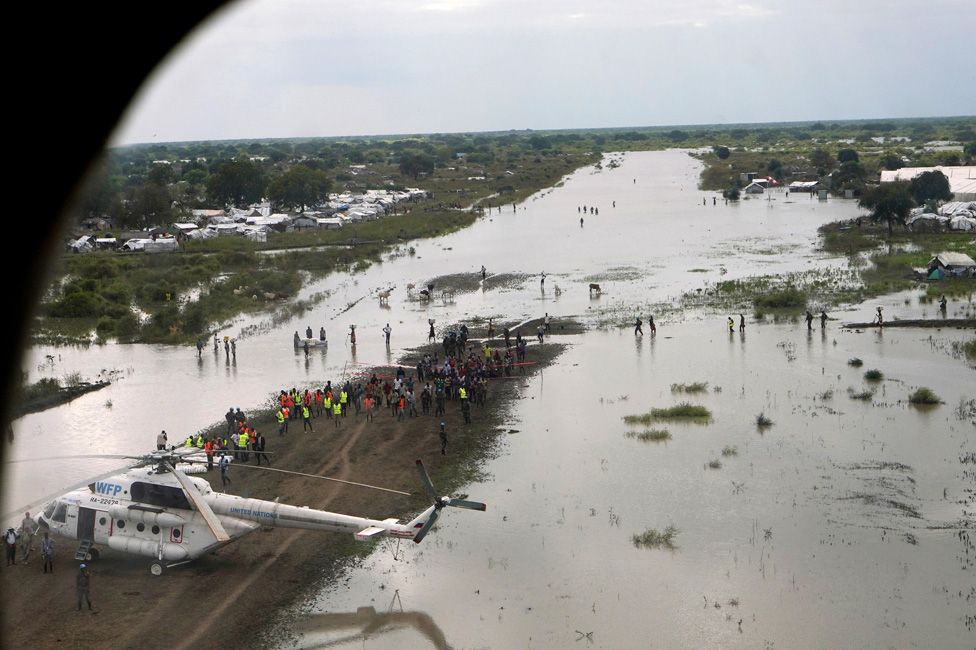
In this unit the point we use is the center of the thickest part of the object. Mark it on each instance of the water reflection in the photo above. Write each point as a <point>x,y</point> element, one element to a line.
<point>357,628</point>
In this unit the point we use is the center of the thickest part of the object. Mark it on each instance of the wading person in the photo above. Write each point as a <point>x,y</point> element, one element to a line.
<point>83,586</point>
<point>942,304</point>
<point>809,321</point>
<point>199,348</point>
<point>650,322</point>
<point>742,323</point>
<point>879,318</point>
<point>731,325</point>
<point>430,334</point>
<point>823,319</point>
<point>386,333</point>
<point>638,329</point>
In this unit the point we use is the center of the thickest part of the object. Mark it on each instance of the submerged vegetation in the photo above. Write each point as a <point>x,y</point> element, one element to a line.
<point>652,538</point>
<point>650,435</point>
<point>873,375</point>
<point>924,396</point>
<point>697,387</point>
<point>681,411</point>
<point>762,421</point>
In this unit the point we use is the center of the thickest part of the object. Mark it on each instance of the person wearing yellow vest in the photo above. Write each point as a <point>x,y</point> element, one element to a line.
<point>465,404</point>
<point>282,422</point>
<point>242,446</point>
<point>327,402</point>
<point>337,413</point>
<point>199,443</point>
<point>189,441</point>
<point>463,393</point>
<point>343,401</point>
<point>307,418</point>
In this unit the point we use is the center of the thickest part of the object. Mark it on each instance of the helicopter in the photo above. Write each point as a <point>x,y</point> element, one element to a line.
<point>152,508</point>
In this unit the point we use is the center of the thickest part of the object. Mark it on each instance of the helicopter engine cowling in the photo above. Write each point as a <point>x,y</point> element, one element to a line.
<point>161,519</point>
<point>127,544</point>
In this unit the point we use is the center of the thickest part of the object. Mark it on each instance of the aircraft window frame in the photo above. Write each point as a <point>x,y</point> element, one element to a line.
<point>49,509</point>
<point>140,526</point>
<point>60,513</point>
<point>120,524</point>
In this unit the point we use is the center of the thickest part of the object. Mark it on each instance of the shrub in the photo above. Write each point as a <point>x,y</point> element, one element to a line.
<point>697,387</point>
<point>762,421</point>
<point>864,395</point>
<point>873,375</point>
<point>924,396</point>
<point>80,304</point>
<point>652,538</point>
<point>682,410</point>
<point>855,362</point>
<point>789,298</point>
<point>651,435</point>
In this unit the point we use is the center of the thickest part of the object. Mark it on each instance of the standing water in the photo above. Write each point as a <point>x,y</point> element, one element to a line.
<point>842,524</point>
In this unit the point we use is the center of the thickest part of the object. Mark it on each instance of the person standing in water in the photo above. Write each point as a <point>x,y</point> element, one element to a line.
<point>823,319</point>
<point>742,323</point>
<point>809,320</point>
<point>542,279</point>
<point>731,325</point>
<point>637,326</point>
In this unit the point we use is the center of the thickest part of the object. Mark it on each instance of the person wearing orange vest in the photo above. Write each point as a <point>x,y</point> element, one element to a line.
<point>318,402</point>
<point>208,448</point>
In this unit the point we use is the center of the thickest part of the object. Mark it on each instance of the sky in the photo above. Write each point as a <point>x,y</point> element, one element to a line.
<point>307,68</point>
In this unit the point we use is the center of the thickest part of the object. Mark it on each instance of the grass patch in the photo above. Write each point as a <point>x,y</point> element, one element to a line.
<point>651,435</point>
<point>855,362</point>
<point>969,349</point>
<point>697,387</point>
<point>789,298</point>
<point>924,396</point>
<point>873,375</point>
<point>729,450</point>
<point>682,410</point>
<point>715,464</point>
<point>762,421</point>
<point>864,395</point>
<point>652,538</point>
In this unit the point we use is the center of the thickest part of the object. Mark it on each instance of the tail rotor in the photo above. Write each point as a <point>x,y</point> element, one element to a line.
<point>439,503</point>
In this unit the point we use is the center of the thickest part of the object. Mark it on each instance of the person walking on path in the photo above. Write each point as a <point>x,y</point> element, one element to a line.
<point>443,436</point>
<point>27,529</point>
<point>10,539</point>
<point>83,586</point>
<point>638,329</point>
<point>224,478</point>
<point>547,321</point>
<point>47,552</point>
<point>259,445</point>
<point>368,404</point>
<point>307,419</point>
<point>809,320</point>
<point>386,333</point>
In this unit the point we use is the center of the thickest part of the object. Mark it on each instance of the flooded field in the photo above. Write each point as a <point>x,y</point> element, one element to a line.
<point>844,523</point>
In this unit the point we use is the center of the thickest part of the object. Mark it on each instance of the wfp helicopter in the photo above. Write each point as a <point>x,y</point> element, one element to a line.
<point>152,508</point>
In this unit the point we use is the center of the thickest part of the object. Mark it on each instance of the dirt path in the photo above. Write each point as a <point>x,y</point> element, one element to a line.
<point>236,596</point>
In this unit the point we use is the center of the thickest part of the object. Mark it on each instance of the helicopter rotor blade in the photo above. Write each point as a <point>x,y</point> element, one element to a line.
<point>209,516</point>
<point>71,457</point>
<point>71,488</point>
<point>422,533</point>
<point>317,476</point>
<point>470,505</point>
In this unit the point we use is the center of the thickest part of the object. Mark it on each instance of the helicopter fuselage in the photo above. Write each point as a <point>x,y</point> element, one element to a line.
<point>146,512</point>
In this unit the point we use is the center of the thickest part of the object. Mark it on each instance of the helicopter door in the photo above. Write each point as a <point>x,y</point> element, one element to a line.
<point>103,526</point>
<point>86,524</point>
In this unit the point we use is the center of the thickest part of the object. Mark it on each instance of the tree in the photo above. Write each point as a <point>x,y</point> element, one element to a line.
<point>236,182</point>
<point>847,155</point>
<point>888,202</point>
<point>891,161</point>
<point>850,175</point>
<point>822,160</point>
<point>298,187</point>
<point>930,186</point>
<point>415,163</point>
<point>775,167</point>
<point>722,152</point>
<point>161,175</point>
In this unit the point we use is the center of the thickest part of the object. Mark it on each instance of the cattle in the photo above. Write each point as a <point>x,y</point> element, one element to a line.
<point>384,296</point>
<point>595,288</point>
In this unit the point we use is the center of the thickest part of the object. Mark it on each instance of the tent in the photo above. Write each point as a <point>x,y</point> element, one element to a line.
<point>936,274</point>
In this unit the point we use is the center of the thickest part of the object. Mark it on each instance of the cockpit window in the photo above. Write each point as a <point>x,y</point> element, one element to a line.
<point>59,512</point>
<point>49,509</point>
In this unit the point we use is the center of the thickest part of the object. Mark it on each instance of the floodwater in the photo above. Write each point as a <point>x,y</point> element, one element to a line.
<point>844,524</point>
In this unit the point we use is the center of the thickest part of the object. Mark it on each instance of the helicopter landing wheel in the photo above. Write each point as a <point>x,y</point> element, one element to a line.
<point>156,568</point>
<point>92,555</point>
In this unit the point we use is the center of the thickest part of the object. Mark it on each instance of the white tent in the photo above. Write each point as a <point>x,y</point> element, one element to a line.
<point>966,224</point>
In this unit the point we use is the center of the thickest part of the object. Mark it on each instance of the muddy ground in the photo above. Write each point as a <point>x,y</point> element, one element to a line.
<point>239,596</point>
